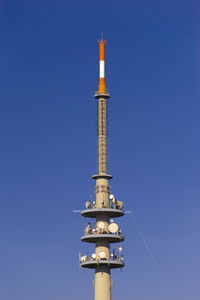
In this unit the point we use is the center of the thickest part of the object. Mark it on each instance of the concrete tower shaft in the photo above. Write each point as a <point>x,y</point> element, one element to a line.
<point>102,284</point>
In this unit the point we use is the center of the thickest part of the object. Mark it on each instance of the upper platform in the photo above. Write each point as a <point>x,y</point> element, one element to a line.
<point>98,95</point>
<point>94,212</point>
<point>106,176</point>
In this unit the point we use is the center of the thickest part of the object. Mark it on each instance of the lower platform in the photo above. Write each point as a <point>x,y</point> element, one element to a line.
<point>93,264</point>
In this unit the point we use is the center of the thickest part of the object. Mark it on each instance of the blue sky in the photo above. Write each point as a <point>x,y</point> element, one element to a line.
<point>48,74</point>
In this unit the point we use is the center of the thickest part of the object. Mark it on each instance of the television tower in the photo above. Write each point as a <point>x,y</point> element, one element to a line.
<point>105,207</point>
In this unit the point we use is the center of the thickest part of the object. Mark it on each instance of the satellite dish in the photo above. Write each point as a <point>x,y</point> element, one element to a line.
<point>93,255</point>
<point>113,227</point>
<point>87,204</point>
<point>111,197</point>
<point>120,249</point>
<point>101,225</point>
<point>102,254</point>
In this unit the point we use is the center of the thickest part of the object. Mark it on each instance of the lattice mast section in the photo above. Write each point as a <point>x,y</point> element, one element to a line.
<point>102,136</point>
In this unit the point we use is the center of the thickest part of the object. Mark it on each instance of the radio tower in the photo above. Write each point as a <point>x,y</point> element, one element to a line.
<point>105,207</point>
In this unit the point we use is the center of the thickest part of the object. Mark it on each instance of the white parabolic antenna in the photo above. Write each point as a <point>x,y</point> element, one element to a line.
<point>113,227</point>
<point>101,225</point>
<point>102,254</point>
<point>93,255</point>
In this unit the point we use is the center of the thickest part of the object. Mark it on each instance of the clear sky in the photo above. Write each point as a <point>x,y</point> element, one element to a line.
<point>48,74</point>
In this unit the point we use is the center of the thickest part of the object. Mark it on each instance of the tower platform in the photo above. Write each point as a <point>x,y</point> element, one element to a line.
<point>93,264</point>
<point>94,212</point>
<point>94,237</point>
<point>100,95</point>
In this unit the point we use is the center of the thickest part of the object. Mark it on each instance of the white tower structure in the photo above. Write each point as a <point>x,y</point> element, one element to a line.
<point>105,207</point>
